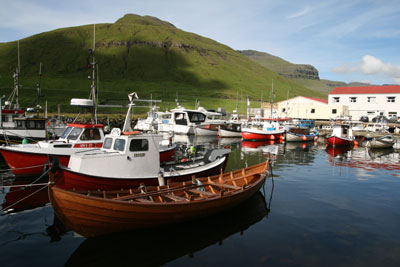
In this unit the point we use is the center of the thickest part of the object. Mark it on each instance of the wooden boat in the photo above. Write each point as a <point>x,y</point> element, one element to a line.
<point>385,141</point>
<point>342,135</point>
<point>95,213</point>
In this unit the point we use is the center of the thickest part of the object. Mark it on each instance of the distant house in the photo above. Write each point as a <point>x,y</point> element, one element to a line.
<point>368,100</point>
<point>302,107</point>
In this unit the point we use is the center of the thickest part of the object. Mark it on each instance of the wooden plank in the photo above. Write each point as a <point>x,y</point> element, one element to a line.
<point>143,200</point>
<point>226,185</point>
<point>204,193</point>
<point>175,198</point>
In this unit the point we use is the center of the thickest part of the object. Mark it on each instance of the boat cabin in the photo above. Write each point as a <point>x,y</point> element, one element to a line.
<point>121,155</point>
<point>183,121</point>
<point>83,135</point>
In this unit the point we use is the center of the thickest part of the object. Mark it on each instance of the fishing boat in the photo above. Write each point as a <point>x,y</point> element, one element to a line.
<point>17,124</point>
<point>268,129</point>
<point>211,124</point>
<point>97,213</point>
<point>304,130</point>
<point>342,135</point>
<point>182,121</point>
<point>128,159</point>
<point>385,141</point>
<point>232,128</point>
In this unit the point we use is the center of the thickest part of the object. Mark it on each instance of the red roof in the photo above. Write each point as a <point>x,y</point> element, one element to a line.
<point>381,89</point>
<point>317,99</point>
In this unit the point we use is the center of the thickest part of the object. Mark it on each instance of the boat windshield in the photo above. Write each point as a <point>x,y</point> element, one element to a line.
<point>75,133</point>
<point>66,132</point>
<point>107,143</point>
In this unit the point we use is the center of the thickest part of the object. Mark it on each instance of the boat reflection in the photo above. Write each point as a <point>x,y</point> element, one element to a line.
<point>158,246</point>
<point>338,150</point>
<point>19,194</point>
<point>367,159</point>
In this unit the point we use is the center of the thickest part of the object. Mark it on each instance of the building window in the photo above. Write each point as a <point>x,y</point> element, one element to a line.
<point>392,114</point>
<point>371,99</point>
<point>334,111</point>
<point>313,110</point>
<point>353,99</point>
<point>391,99</point>
<point>336,99</point>
<point>371,113</point>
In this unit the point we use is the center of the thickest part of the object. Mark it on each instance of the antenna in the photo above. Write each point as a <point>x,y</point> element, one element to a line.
<point>39,93</point>
<point>93,65</point>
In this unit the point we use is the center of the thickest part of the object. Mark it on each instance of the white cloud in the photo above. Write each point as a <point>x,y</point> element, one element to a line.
<point>370,65</point>
<point>300,13</point>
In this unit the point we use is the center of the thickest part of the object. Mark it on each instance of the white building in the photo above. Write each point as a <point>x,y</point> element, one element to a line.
<point>368,100</point>
<point>302,107</point>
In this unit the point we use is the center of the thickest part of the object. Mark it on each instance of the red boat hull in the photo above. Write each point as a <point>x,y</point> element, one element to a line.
<point>69,180</point>
<point>337,141</point>
<point>22,164</point>
<point>257,136</point>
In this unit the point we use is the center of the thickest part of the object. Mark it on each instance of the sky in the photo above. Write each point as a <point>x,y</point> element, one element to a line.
<point>349,41</point>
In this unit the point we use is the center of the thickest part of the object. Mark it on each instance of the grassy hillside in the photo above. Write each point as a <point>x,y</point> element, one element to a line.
<point>142,54</point>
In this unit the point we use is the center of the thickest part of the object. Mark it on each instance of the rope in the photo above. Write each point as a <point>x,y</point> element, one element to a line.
<point>30,167</point>
<point>22,187</point>
<point>22,199</point>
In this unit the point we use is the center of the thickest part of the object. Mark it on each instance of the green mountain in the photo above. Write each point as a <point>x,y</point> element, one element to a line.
<point>142,54</point>
<point>305,75</point>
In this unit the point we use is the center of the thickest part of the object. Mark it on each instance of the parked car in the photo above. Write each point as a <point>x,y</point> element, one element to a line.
<point>364,119</point>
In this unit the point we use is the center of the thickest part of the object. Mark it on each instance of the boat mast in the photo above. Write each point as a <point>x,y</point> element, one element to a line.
<point>93,86</point>
<point>272,96</point>
<point>16,86</point>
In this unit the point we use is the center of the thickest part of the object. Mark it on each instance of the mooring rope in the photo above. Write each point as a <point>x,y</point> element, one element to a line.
<point>22,187</point>
<point>22,199</point>
<point>30,167</point>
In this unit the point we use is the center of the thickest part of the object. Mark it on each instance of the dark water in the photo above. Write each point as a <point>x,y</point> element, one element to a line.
<point>323,207</point>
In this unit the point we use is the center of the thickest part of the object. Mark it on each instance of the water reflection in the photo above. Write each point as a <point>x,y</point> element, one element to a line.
<point>22,193</point>
<point>158,246</point>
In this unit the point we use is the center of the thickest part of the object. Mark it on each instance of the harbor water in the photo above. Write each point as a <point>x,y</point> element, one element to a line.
<point>320,207</point>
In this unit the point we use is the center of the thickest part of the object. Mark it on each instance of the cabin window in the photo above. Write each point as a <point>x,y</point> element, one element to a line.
<point>119,144</point>
<point>336,99</point>
<point>392,114</point>
<point>33,124</point>
<point>91,134</point>
<point>196,117</point>
<point>313,110</point>
<point>21,124</point>
<point>66,132</point>
<point>139,145</point>
<point>74,133</point>
<point>180,119</point>
<point>284,109</point>
<point>371,113</point>
<point>107,143</point>
<point>371,99</point>
<point>391,99</point>
<point>334,111</point>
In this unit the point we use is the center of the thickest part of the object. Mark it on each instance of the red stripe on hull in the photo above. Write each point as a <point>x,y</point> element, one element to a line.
<point>66,179</point>
<point>256,136</point>
<point>21,163</point>
<point>337,141</point>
